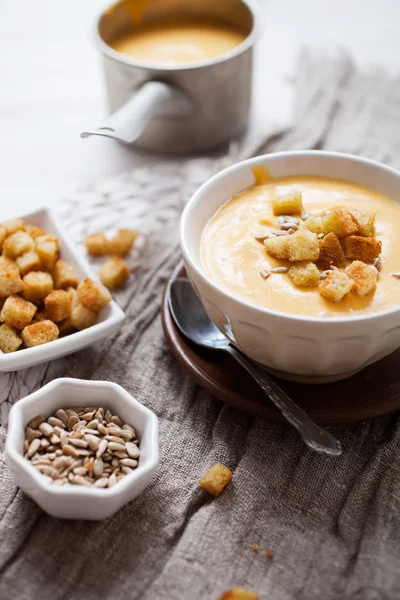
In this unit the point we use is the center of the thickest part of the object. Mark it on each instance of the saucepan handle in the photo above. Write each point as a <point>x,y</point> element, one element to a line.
<point>130,121</point>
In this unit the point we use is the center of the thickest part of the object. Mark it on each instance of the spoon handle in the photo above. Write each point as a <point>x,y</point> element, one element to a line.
<point>314,436</point>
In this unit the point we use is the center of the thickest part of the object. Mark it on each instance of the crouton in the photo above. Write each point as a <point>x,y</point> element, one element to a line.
<point>81,317</point>
<point>314,224</point>
<point>289,204</point>
<point>13,225</point>
<point>277,246</point>
<point>336,286</point>
<point>39,333</point>
<point>93,295</point>
<point>303,245</point>
<point>340,222</point>
<point>361,248</point>
<point>304,275</point>
<point>9,339</point>
<point>331,253</point>
<point>40,316</point>
<point>64,275</point>
<point>365,221</point>
<point>114,272</point>
<point>34,231</point>
<point>122,242</point>
<point>73,294</point>
<point>96,244</point>
<point>65,326</point>
<point>37,285</point>
<point>29,261</point>
<point>239,593</point>
<point>47,249</point>
<point>216,479</point>
<point>17,312</point>
<point>3,235</point>
<point>364,277</point>
<point>10,280</point>
<point>17,243</point>
<point>58,305</point>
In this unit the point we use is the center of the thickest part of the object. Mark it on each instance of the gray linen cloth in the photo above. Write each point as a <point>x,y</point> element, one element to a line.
<point>333,525</point>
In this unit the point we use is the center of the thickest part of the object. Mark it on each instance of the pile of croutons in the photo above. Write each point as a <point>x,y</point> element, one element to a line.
<point>41,297</point>
<point>335,250</point>
<point>114,271</point>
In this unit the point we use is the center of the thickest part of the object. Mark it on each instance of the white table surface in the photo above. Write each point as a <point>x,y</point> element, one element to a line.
<point>52,88</point>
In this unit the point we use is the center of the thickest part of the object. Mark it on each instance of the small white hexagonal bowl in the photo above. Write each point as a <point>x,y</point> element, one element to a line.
<point>74,501</point>
<point>109,319</point>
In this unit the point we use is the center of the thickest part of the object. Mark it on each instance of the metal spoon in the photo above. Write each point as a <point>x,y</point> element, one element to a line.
<point>192,320</point>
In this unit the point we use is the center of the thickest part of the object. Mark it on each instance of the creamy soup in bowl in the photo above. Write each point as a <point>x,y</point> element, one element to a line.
<point>294,258</point>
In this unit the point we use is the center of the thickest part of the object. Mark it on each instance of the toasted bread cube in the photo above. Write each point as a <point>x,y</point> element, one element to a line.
<point>364,277</point>
<point>122,242</point>
<point>277,246</point>
<point>216,479</point>
<point>17,312</point>
<point>289,204</point>
<point>93,295</point>
<point>9,339</point>
<point>339,221</point>
<point>314,224</point>
<point>82,317</point>
<point>40,316</point>
<point>96,244</point>
<point>34,231</point>
<point>39,333</point>
<point>304,275</point>
<point>65,327</point>
<point>239,593</point>
<point>29,261</point>
<point>303,245</point>
<point>331,253</point>
<point>47,249</point>
<point>73,294</point>
<point>114,272</point>
<point>13,225</point>
<point>58,305</point>
<point>335,287</point>
<point>37,285</point>
<point>10,280</point>
<point>3,235</point>
<point>17,244</point>
<point>365,221</point>
<point>361,248</point>
<point>64,275</point>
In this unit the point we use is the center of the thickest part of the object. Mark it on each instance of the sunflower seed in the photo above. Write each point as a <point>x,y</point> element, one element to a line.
<point>115,419</point>
<point>320,236</point>
<point>112,480</point>
<point>46,429</point>
<point>26,446</point>
<point>378,263</point>
<point>114,431</point>
<point>101,483</point>
<point>126,435</point>
<point>264,273</point>
<point>102,429</point>
<point>127,427</point>
<point>80,471</point>
<point>62,415</point>
<point>79,480</point>
<point>72,421</point>
<point>107,416</point>
<point>126,470</point>
<point>32,434</point>
<point>54,439</point>
<point>58,430</point>
<point>71,413</point>
<point>375,270</point>
<point>61,462</point>
<point>70,451</point>
<point>36,421</point>
<point>280,270</point>
<point>115,463</point>
<point>63,438</point>
<point>325,274</point>
<point>289,226</point>
<point>305,215</point>
<point>59,481</point>
<point>77,442</point>
<point>33,448</point>
<point>98,467</point>
<point>92,441</point>
<point>54,422</point>
<point>121,454</point>
<point>261,237</point>
<point>44,443</point>
<point>102,448</point>
<point>79,426</point>
<point>115,439</point>
<point>115,446</point>
<point>92,424</point>
<point>128,462</point>
<point>132,450</point>
<point>49,471</point>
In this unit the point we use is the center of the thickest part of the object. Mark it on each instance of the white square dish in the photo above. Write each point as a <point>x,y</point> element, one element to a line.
<point>109,318</point>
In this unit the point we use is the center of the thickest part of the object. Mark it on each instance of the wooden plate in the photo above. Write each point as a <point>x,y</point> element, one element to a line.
<point>372,393</point>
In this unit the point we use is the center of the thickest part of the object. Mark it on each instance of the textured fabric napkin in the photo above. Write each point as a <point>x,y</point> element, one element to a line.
<point>333,525</point>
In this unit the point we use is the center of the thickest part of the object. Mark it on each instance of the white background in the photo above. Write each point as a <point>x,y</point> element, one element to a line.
<point>52,88</point>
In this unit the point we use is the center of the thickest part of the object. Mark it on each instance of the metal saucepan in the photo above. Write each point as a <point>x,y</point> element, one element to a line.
<point>181,109</point>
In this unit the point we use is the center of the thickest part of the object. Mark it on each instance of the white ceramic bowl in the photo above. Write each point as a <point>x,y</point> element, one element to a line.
<point>73,501</point>
<point>109,319</point>
<point>303,349</point>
